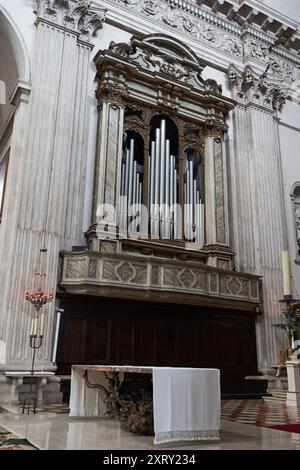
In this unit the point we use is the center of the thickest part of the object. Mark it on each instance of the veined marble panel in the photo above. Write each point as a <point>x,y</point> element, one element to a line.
<point>143,273</point>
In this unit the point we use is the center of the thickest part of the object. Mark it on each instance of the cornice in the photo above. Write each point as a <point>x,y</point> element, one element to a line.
<point>216,30</point>
<point>80,17</point>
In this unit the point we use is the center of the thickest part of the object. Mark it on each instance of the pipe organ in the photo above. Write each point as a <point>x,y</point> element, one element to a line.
<point>131,190</point>
<point>192,201</point>
<point>165,217</point>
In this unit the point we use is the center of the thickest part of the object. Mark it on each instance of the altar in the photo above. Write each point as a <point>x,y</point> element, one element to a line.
<point>185,401</point>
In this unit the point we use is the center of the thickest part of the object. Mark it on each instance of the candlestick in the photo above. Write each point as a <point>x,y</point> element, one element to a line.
<point>286,274</point>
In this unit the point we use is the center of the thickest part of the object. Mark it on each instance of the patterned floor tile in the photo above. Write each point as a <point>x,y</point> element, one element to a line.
<point>258,412</point>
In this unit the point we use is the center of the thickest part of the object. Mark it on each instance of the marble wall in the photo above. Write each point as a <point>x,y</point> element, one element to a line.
<point>53,147</point>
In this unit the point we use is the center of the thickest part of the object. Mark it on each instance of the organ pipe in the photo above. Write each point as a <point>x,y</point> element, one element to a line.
<point>162,190</point>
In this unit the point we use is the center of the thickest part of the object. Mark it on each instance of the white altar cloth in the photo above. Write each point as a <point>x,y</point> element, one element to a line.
<point>186,401</point>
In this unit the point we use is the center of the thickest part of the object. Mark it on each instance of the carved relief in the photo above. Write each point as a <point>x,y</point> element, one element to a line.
<point>77,15</point>
<point>256,50</point>
<point>75,268</point>
<point>122,49</point>
<point>254,291</point>
<point>113,91</point>
<point>173,17</point>
<point>234,286</point>
<point>269,89</point>
<point>125,272</point>
<point>181,277</point>
<point>213,282</point>
<point>92,268</point>
<point>213,86</point>
<point>215,128</point>
<point>187,278</point>
<point>155,276</point>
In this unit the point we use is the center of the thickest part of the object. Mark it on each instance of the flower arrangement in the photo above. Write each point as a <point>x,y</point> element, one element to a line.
<point>291,320</point>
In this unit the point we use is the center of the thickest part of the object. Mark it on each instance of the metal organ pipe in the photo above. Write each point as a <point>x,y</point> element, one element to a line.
<point>193,210</point>
<point>131,189</point>
<point>162,189</point>
<point>163,182</point>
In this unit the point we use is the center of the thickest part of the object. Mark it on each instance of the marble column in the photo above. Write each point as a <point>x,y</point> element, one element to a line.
<point>216,206</point>
<point>52,150</point>
<point>110,93</point>
<point>260,233</point>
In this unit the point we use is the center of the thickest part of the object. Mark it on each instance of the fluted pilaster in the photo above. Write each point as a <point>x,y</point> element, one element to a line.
<point>51,177</point>
<point>260,236</point>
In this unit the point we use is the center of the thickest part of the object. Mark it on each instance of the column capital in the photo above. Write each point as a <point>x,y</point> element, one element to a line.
<point>215,129</point>
<point>112,91</point>
<point>81,17</point>
<point>269,90</point>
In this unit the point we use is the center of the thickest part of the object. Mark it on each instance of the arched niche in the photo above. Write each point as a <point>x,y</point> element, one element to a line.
<point>14,63</point>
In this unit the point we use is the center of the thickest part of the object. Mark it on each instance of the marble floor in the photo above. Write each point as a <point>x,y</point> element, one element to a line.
<point>57,431</point>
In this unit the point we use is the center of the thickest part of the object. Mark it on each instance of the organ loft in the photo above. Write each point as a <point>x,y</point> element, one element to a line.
<point>162,124</point>
<point>158,268</point>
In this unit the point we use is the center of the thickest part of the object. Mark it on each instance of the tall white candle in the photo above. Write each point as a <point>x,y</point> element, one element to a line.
<point>286,273</point>
<point>35,326</point>
<point>32,327</point>
<point>42,322</point>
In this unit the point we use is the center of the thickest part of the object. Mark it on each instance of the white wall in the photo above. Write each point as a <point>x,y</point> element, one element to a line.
<point>21,11</point>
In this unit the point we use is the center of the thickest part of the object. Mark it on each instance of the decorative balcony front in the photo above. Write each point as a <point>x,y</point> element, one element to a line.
<point>161,280</point>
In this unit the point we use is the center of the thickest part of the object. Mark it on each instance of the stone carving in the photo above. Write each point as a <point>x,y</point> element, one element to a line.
<point>254,291</point>
<point>149,7</point>
<point>234,286</point>
<point>297,220</point>
<point>213,86</point>
<point>256,50</point>
<point>213,282</point>
<point>178,72</point>
<point>93,268</point>
<point>160,58</point>
<point>113,91</point>
<point>77,15</point>
<point>203,24</point>
<point>125,272</point>
<point>75,268</point>
<point>269,89</point>
<point>194,136</point>
<point>187,278</point>
<point>180,276</point>
<point>215,128</point>
<point>155,275</point>
<point>122,48</point>
<point>172,16</point>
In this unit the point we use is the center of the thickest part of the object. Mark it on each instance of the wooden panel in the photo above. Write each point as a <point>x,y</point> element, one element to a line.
<point>145,342</point>
<point>124,341</point>
<point>110,332</point>
<point>98,340</point>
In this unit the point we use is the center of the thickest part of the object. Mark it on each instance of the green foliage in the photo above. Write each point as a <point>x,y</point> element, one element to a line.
<point>290,320</point>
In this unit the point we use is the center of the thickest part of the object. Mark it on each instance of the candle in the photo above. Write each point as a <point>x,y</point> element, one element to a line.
<point>42,324</point>
<point>286,273</point>
<point>32,327</point>
<point>35,327</point>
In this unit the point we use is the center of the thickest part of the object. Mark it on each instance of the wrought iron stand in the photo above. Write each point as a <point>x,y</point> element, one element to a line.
<point>31,401</point>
